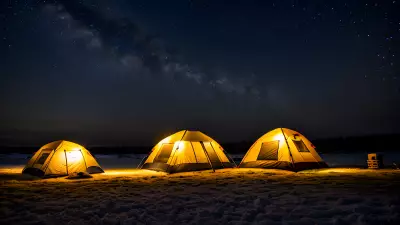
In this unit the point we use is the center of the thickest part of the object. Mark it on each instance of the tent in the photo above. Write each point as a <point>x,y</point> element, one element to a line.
<point>60,158</point>
<point>187,151</point>
<point>282,148</point>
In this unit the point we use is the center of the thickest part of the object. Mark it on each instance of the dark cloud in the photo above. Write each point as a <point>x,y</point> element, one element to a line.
<point>138,51</point>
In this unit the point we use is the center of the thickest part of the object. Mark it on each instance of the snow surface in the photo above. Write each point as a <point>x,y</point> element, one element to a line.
<point>132,160</point>
<point>228,196</point>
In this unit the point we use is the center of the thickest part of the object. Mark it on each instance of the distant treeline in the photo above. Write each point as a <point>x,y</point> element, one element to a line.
<point>371,143</point>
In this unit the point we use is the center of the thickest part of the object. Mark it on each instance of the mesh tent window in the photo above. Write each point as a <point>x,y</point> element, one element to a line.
<point>164,153</point>
<point>269,151</point>
<point>42,158</point>
<point>301,147</point>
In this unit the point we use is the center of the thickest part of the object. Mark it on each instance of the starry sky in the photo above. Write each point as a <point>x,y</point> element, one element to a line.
<point>128,72</point>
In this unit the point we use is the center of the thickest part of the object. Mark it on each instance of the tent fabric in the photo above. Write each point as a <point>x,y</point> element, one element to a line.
<point>283,148</point>
<point>187,151</point>
<point>60,158</point>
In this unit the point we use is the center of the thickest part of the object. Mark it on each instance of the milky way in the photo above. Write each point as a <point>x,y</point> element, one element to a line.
<point>135,49</point>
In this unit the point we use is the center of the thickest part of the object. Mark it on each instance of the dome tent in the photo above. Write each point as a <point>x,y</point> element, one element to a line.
<point>187,151</point>
<point>61,158</point>
<point>282,148</point>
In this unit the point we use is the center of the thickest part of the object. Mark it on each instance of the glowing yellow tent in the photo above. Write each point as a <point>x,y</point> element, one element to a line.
<point>60,158</point>
<point>282,148</point>
<point>187,151</point>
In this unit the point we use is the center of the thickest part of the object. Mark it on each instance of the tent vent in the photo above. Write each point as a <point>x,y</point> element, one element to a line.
<point>301,147</point>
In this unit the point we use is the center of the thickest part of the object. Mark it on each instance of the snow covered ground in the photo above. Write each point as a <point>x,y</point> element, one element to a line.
<point>132,160</point>
<point>124,195</point>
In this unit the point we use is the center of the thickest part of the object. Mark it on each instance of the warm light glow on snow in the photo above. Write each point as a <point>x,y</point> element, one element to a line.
<point>11,169</point>
<point>340,170</point>
<point>112,172</point>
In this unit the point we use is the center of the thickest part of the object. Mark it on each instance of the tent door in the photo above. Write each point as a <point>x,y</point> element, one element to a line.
<point>75,161</point>
<point>41,159</point>
<point>212,155</point>
<point>268,151</point>
<point>164,153</point>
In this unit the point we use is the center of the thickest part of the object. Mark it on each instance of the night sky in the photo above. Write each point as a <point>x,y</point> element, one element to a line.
<point>130,72</point>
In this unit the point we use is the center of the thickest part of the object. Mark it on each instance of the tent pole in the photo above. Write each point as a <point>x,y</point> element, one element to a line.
<point>195,157</point>
<point>217,155</point>
<point>83,159</point>
<point>54,152</point>
<point>290,152</point>
<point>37,158</point>
<point>47,166</point>
<point>312,154</point>
<point>142,161</point>
<point>229,158</point>
<point>208,157</point>
<point>247,153</point>
<point>176,150</point>
<point>310,151</point>
<point>66,161</point>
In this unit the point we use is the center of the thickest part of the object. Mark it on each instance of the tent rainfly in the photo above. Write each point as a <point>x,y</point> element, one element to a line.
<point>60,158</point>
<point>187,151</point>
<point>283,148</point>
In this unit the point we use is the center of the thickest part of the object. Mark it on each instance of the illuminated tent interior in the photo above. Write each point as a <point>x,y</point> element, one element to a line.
<point>60,158</point>
<point>187,151</point>
<point>282,148</point>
